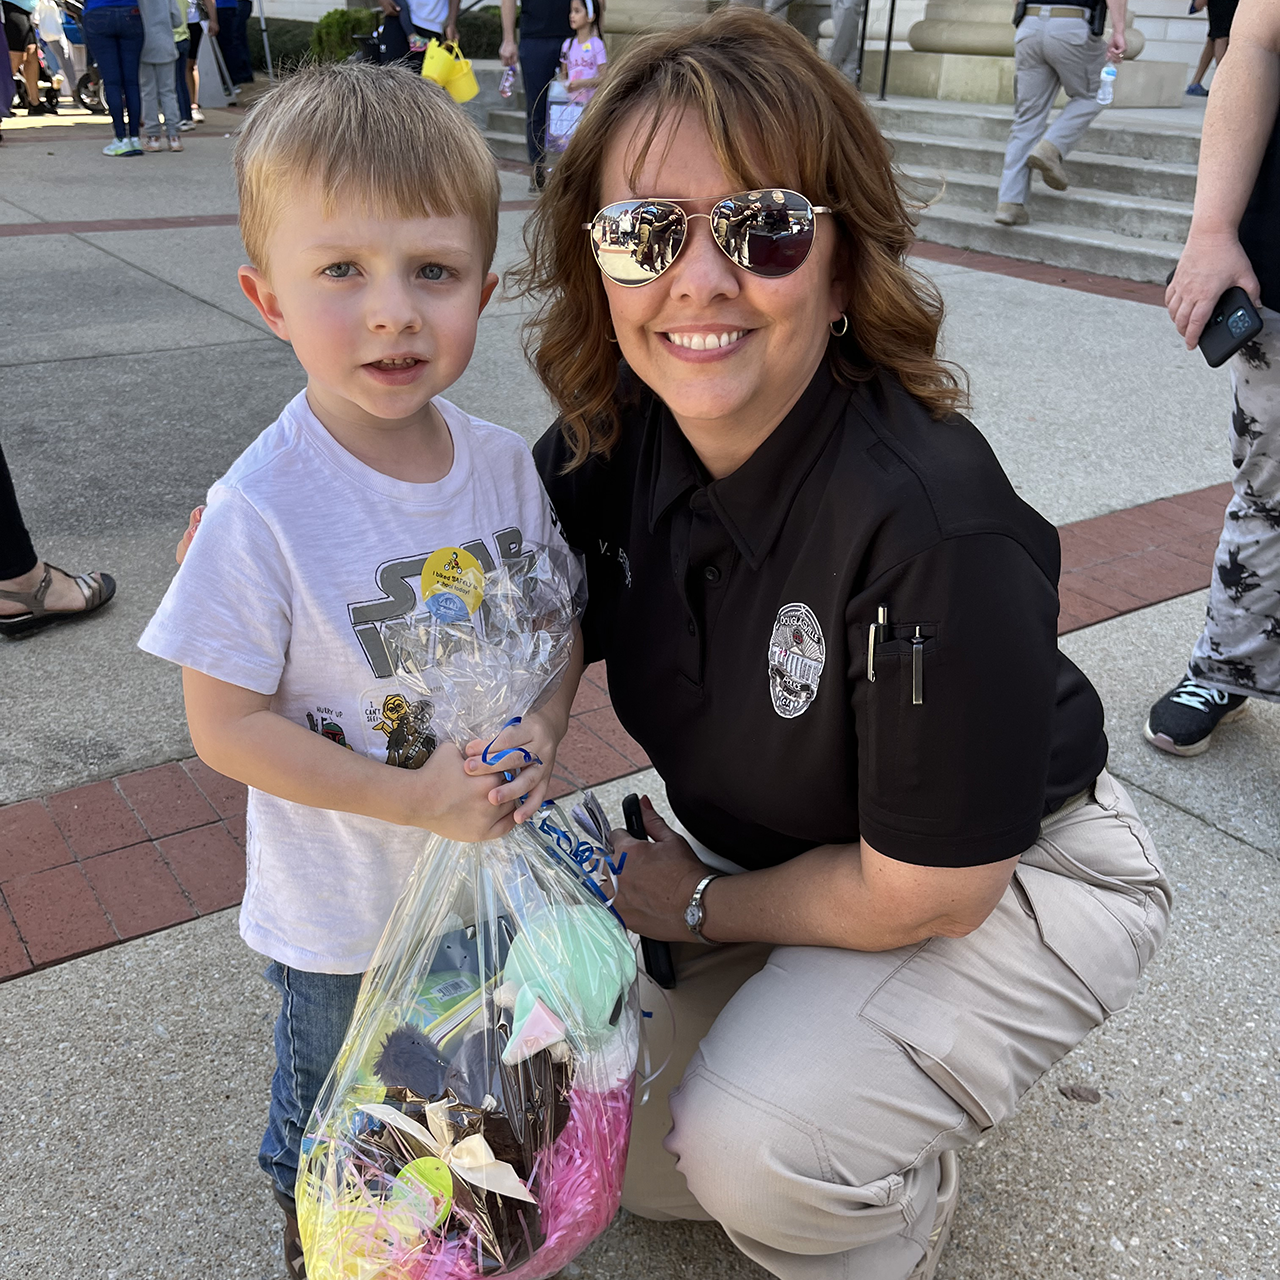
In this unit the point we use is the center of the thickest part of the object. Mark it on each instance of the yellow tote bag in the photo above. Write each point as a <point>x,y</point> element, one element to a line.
<point>445,64</point>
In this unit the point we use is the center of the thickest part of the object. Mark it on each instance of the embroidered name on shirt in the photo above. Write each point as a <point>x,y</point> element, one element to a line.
<point>797,654</point>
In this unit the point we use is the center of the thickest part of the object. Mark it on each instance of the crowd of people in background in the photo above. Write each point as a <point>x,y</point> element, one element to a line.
<point>145,53</point>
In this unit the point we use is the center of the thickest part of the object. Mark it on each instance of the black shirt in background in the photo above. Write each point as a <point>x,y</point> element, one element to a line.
<point>543,19</point>
<point>701,591</point>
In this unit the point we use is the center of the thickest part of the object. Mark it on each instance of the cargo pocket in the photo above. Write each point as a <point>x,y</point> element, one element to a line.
<point>920,1008</point>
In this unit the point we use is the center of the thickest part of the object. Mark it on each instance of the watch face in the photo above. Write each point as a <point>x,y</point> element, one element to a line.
<point>693,915</point>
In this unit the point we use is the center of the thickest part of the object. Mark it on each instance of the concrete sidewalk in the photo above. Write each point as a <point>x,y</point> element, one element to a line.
<point>134,1083</point>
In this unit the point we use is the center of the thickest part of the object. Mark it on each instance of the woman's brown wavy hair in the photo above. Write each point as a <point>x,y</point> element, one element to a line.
<point>776,114</point>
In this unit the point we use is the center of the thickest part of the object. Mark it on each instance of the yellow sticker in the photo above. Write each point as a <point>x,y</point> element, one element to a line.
<point>452,584</point>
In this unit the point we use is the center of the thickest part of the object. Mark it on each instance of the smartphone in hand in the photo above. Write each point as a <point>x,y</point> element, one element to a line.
<point>657,955</point>
<point>1233,322</point>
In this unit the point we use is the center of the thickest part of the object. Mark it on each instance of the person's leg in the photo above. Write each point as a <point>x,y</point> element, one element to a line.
<point>149,93</point>
<point>227,38</point>
<point>1035,87</point>
<point>180,87</point>
<point>132,38</point>
<point>101,37</point>
<point>17,554</point>
<point>31,74</point>
<point>244,58</point>
<point>1238,651</point>
<point>812,1118</point>
<point>167,92</point>
<point>539,59</point>
<point>1202,67</point>
<point>1078,65</point>
<point>315,1010</point>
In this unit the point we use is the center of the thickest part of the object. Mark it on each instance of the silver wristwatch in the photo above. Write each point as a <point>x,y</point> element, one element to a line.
<point>695,914</point>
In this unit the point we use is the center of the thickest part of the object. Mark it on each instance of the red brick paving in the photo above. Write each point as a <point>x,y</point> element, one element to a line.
<point>90,867</point>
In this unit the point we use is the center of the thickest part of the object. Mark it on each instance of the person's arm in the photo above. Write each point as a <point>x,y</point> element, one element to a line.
<point>508,51</point>
<point>1117,44</point>
<point>846,896</point>
<point>235,732</point>
<point>451,22</point>
<point>211,9</point>
<point>389,7</point>
<point>1237,124</point>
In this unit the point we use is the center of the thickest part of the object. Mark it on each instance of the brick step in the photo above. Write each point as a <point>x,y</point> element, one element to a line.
<point>1078,207</point>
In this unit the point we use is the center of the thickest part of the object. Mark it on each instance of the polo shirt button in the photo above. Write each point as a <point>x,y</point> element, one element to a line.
<point>693,630</point>
<point>711,573</point>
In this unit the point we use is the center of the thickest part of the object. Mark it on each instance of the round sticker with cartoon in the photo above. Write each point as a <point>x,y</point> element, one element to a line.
<point>452,584</point>
<point>797,654</point>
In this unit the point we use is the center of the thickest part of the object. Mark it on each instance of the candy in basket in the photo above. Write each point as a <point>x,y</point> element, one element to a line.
<point>476,1120</point>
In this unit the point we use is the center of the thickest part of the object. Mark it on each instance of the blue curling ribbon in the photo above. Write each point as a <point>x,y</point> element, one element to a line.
<point>529,757</point>
<point>577,856</point>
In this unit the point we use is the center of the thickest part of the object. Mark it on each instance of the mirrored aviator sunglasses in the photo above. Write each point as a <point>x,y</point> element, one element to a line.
<point>767,232</point>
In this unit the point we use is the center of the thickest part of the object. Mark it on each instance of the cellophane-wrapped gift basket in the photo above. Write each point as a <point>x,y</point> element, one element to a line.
<point>476,1120</point>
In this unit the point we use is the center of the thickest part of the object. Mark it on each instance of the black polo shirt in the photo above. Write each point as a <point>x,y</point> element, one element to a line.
<point>735,618</point>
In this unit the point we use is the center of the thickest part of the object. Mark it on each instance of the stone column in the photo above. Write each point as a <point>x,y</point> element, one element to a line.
<point>983,28</point>
<point>633,17</point>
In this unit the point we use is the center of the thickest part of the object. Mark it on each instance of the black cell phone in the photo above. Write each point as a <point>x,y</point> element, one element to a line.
<point>1233,322</point>
<point>657,955</point>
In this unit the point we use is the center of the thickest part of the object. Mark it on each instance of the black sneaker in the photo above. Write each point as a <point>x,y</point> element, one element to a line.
<point>1183,721</point>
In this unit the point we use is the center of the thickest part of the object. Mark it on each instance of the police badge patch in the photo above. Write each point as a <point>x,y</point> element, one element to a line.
<point>797,653</point>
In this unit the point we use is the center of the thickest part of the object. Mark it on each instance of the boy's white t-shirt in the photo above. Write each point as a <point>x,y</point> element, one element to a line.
<point>302,554</point>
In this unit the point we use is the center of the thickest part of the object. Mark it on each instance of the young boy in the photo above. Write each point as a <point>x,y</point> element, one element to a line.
<point>369,210</point>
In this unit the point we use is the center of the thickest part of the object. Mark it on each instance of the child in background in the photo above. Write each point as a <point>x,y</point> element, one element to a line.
<point>156,72</point>
<point>583,56</point>
<point>369,210</point>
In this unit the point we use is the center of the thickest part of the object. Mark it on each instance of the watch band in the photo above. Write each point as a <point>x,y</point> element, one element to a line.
<point>695,913</point>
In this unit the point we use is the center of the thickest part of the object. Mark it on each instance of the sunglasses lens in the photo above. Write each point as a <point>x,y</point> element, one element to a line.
<point>769,232</point>
<point>637,240</point>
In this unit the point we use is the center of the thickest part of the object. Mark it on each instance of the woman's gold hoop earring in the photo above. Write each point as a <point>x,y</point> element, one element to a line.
<point>843,322</point>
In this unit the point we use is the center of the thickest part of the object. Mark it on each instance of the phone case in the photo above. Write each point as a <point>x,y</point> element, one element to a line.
<point>1234,322</point>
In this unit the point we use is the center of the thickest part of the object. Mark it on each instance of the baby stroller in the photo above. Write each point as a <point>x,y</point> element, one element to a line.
<point>88,88</point>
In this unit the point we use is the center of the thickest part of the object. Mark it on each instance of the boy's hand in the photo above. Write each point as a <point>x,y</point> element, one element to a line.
<point>184,543</point>
<point>535,734</point>
<point>443,798</point>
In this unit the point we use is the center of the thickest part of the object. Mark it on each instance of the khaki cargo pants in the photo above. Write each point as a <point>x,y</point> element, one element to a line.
<point>811,1091</point>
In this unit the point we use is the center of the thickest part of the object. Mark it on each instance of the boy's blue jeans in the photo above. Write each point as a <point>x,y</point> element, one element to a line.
<point>315,1010</point>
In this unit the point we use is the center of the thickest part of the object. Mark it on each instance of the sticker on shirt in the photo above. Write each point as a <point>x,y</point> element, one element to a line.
<point>400,725</point>
<point>797,654</point>
<point>452,584</point>
<point>324,721</point>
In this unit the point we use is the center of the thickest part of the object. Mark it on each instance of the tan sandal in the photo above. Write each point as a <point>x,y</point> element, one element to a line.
<point>97,588</point>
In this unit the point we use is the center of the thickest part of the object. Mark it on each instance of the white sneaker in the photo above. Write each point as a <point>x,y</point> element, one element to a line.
<point>187,125</point>
<point>117,147</point>
<point>135,147</point>
<point>175,143</point>
<point>151,144</point>
<point>197,116</point>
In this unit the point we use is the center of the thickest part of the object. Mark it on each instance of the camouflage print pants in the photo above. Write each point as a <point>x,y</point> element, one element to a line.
<point>1239,648</point>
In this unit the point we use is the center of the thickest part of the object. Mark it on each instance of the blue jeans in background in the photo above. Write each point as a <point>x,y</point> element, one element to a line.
<point>180,70</point>
<point>114,35</point>
<point>315,1009</point>
<point>244,11</point>
<point>539,61</point>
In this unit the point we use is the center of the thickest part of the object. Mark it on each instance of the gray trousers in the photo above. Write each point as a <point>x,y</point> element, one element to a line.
<point>1049,53</point>
<point>159,97</point>
<point>1239,648</point>
<point>811,1091</point>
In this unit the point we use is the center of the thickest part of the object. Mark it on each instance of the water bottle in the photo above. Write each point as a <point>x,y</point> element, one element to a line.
<point>1107,84</point>
<point>508,82</point>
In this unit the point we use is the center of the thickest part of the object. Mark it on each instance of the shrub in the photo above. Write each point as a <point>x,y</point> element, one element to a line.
<point>290,42</point>
<point>331,41</point>
<point>480,32</point>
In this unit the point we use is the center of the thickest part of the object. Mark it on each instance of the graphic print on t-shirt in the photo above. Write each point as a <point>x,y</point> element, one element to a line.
<point>399,581</point>
<point>324,721</point>
<point>406,722</point>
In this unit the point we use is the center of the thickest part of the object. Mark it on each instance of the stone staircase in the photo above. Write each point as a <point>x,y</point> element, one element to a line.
<point>1126,213</point>
<point>501,120</point>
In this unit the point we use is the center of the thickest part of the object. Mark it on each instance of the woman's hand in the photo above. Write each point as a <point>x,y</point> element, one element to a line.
<point>535,734</point>
<point>1210,264</point>
<point>657,880</point>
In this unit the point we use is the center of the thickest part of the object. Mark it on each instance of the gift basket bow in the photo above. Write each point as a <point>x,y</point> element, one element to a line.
<point>476,1120</point>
